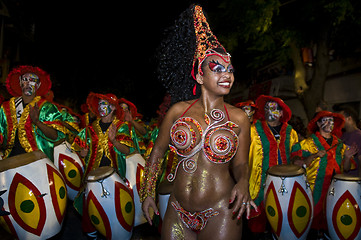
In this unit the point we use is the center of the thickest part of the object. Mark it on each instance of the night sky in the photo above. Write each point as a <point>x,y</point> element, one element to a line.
<point>103,47</point>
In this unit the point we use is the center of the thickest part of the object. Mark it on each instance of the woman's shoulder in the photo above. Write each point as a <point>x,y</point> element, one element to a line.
<point>236,113</point>
<point>180,107</point>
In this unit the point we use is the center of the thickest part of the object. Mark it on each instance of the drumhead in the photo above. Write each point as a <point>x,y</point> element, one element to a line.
<point>21,160</point>
<point>165,187</point>
<point>347,177</point>
<point>288,170</point>
<point>100,173</point>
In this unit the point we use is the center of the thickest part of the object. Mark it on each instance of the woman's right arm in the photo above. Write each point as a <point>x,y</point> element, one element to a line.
<point>153,164</point>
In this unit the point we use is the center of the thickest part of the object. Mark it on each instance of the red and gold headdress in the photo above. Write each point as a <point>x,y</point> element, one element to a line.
<point>206,41</point>
<point>13,78</point>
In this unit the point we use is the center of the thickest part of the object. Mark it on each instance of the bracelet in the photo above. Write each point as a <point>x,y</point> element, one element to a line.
<point>149,183</point>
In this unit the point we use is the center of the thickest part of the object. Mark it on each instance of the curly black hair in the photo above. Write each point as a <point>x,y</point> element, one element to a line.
<point>175,58</point>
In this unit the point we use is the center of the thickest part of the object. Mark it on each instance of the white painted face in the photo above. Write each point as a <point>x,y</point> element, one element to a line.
<point>104,108</point>
<point>124,106</point>
<point>249,111</point>
<point>272,111</point>
<point>326,124</point>
<point>29,83</point>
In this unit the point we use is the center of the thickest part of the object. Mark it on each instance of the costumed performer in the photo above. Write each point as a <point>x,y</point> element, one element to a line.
<point>249,107</point>
<point>271,141</point>
<point>105,142</point>
<point>28,122</point>
<point>138,132</point>
<point>70,118</point>
<point>211,137</point>
<point>323,154</point>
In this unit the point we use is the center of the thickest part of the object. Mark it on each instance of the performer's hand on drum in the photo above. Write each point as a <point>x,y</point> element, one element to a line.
<point>242,200</point>
<point>147,204</point>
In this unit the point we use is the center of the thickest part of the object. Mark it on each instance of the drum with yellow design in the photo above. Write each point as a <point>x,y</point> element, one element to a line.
<point>34,195</point>
<point>70,166</point>
<point>134,173</point>
<point>110,203</point>
<point>288,202</point>
<point>343,207</point>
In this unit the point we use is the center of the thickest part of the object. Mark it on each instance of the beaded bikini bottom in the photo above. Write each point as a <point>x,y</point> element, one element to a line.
<point>195,221</point>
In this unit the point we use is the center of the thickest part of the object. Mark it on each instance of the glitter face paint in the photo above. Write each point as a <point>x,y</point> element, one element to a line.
<point>327,124</point>
<point>104,108</point>
<point>216,67</point>
<point>124,106</point>
<point>248,110</point>
<point>272,111</point>
<point>29,83</point>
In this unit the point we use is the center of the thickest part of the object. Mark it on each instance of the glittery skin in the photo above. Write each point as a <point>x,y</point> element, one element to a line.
<point>217,146</point>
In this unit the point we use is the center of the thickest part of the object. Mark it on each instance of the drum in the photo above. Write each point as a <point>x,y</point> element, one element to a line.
<point>288,201</point>
<point>134,173</point>
<point>70,166</point>
<point>110,203</point>
<point>34,196</point>
<point>164,191</point>
<point>343,207</point>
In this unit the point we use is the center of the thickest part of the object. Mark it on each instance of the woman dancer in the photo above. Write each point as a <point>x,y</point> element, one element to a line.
<point>211,138</point>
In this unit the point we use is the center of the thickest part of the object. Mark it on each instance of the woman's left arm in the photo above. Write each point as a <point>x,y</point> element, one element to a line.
<point>240,196</point>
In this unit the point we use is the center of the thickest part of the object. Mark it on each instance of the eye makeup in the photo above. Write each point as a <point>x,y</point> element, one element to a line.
<point>216,67</point>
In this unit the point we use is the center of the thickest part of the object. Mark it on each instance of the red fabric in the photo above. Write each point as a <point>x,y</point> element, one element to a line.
<point>258,223</point>
<point>246,103</point>
<point>319,221</point>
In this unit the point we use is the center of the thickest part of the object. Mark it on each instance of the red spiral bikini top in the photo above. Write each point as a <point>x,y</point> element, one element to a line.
<point>218,141</point>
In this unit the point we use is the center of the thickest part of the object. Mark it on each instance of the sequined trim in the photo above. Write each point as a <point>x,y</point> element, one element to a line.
<point>195,221</point>
<point>183,137</point>
<point>149,182</point>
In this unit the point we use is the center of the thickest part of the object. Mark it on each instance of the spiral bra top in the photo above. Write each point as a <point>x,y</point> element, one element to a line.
<point>218,141</point>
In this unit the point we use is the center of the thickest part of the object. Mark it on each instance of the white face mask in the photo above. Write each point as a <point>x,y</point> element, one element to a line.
<point>248,110</point>
<point>124,107</point>
<point>29,83</point>
<point>104,108</point>
<point>327,124</point>
<point>272,111</point>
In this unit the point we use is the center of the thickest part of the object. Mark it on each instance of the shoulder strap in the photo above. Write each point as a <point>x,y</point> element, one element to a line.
<point>189,107</point>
